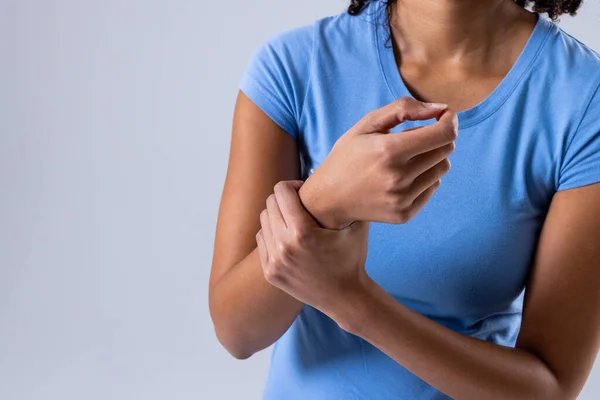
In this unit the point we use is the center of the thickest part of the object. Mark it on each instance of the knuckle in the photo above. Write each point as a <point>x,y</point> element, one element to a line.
<point>299,237</point>
<point>401,217</point>
<point>387,152</point>
<point>411,213</point>
<point>396,182</point>
<point>450,125</point>
<point>285,252</point>
<point>384,152</point>
<point>402,105</point>
<point>446,134</point>
<point>453,134</point>
<point>281,185</point>
<point>381,146</point>
<point>445,165</point>
<point>393,184</point>
<point>397,203</point>
<point>401,203</point>
<point>271,272</point>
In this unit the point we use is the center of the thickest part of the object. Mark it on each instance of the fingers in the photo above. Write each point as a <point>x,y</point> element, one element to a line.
<point>424,162</point>
<point>449,117</point>
<point>263,254</point>
<point>423,198</point>
<point>427,138</point>
<point>393,114</point>
<point>284,211</point>
<point>276,220</point>
<point>429,178</point>
<point>292,210</point>
<point>267,233</point>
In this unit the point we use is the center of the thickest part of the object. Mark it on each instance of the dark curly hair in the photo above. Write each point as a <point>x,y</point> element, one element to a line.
<point>554,8</point>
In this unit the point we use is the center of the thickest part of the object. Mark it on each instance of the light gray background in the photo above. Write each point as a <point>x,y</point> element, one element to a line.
<point>114,131</point>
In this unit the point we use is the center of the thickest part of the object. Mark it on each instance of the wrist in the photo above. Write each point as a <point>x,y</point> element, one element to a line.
<point>354,307</point>
<point>323,208</point>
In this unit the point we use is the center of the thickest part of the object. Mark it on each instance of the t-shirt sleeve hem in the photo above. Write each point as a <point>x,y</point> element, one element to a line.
<point>268,105</point>
<point>590,178</point>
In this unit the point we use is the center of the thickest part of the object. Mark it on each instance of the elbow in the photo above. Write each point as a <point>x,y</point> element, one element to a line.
<point>240,356</point>
<point>233,337</point>
<point>235,346</point>
<point>553,388</point>
<point>238,352</point>
<point>235,341</point>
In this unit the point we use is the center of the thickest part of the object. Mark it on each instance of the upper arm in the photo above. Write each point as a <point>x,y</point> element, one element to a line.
<point>261,154</point>
<point>266,126</point>
<point>561,314</point>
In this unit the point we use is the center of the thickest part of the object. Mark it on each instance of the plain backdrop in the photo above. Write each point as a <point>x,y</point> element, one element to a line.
<point>115,122</point>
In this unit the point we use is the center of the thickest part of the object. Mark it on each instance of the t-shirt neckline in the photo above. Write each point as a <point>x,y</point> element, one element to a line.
<point>494,100</point>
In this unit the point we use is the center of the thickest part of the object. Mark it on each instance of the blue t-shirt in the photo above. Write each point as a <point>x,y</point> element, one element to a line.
<point>464,259</point>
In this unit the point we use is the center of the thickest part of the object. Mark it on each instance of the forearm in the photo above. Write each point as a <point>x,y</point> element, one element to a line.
<point>249,313</point>
<point>463,367</point>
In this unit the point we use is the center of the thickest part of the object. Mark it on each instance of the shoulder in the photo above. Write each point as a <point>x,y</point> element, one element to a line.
<point>291,43</point>
<point>283,67</point>
<point>579,67</point>
<point>572,69</point>
<point>574,66</point>
<point>330,31</point>
<point>581,52</point>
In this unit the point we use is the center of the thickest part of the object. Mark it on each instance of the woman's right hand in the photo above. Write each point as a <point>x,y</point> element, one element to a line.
<point>372,175</point>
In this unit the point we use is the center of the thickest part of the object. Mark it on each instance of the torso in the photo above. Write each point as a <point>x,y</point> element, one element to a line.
<point>464,259</point>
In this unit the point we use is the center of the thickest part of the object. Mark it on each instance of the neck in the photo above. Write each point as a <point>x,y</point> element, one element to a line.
<point>452,30</point>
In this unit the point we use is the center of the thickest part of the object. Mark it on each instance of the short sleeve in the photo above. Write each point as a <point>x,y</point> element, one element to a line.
<point>276,78</point>
<point>581,160</point>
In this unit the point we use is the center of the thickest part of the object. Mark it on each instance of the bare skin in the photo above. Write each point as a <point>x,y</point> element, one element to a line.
<point>560,335</point>
<point>457,51</point>
<point>406,167</point>
<point>560,331</point>
<point>248,313</point>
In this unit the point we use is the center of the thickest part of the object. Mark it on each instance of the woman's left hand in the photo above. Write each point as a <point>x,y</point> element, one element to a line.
<point>316,266</point>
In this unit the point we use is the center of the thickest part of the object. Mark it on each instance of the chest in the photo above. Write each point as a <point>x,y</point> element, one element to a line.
<point>469,251</point>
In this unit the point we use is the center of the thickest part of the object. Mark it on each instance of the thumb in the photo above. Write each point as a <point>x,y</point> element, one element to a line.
<point>384,119</point>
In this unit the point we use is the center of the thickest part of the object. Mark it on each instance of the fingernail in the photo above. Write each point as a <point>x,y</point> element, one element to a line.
<point>437,106</point>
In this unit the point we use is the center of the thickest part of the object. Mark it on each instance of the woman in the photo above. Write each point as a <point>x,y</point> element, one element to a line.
<point>339,241</point>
